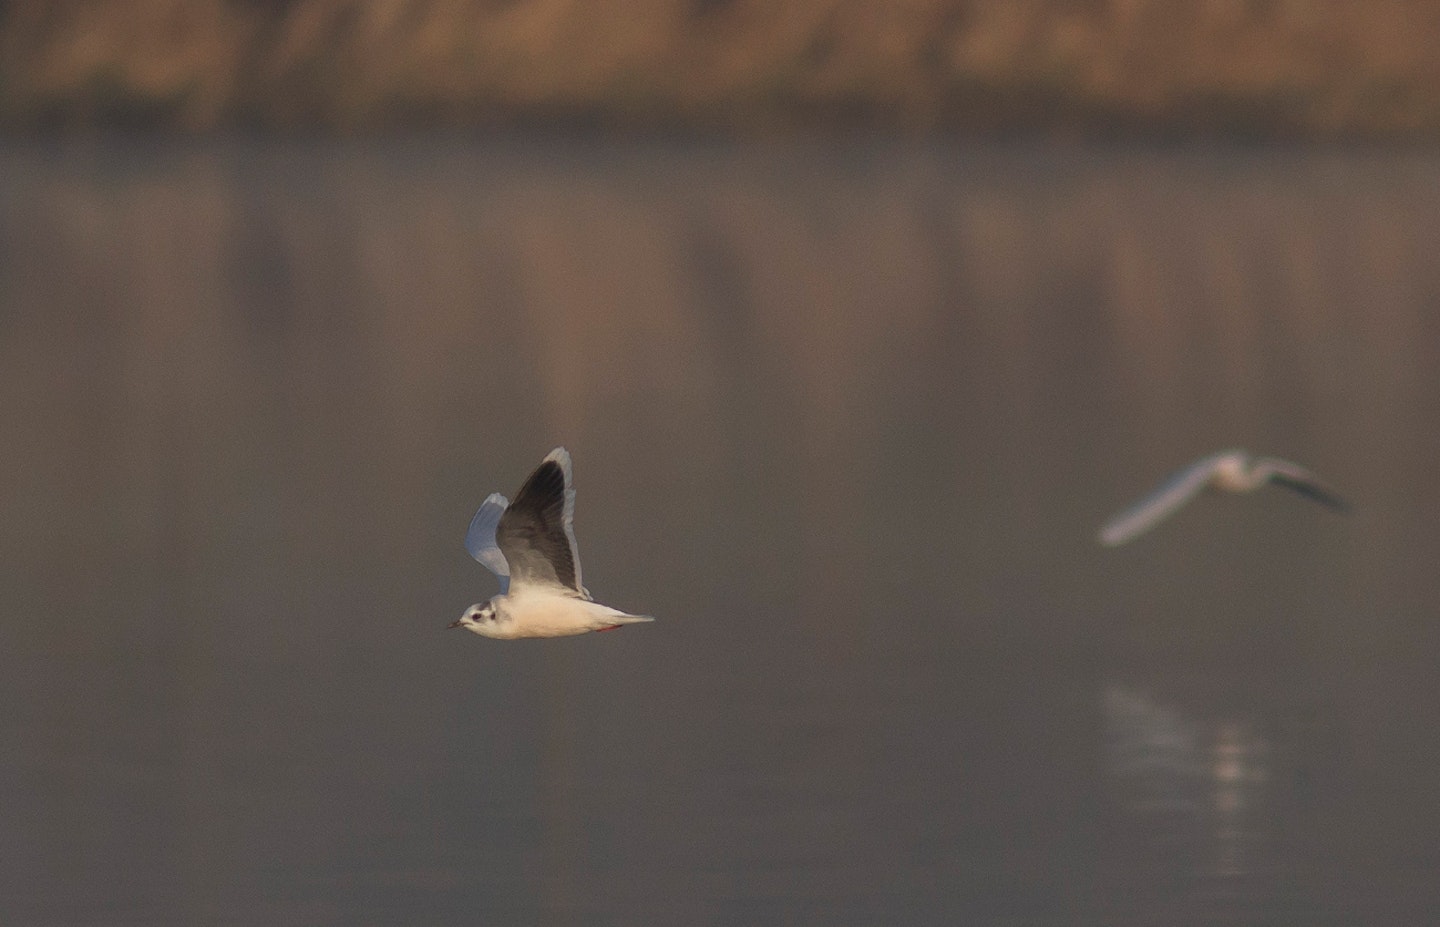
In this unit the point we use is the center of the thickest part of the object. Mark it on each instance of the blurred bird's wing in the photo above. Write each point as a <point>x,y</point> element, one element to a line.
<point>1165,499</point>
<point>480,538</point>
<point>1296,477</point>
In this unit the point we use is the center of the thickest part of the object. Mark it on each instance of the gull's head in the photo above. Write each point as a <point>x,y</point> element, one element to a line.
<point>479,618</point>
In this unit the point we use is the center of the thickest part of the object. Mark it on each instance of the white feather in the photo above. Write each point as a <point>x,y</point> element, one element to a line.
<point>480,538</point>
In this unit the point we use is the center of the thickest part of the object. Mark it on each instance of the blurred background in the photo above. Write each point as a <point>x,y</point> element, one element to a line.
<point>1314,68</point>
<point>859,319</point>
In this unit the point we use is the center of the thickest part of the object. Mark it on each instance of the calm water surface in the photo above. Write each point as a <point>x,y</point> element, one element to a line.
<point>845,417</point>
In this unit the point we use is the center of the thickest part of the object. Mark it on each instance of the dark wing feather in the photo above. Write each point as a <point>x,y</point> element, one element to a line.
<point>536,535</point>
<point>1293,476</point>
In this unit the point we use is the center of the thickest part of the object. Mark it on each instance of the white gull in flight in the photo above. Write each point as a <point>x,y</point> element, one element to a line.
<point>530,545</point>
<point>1233,471</point>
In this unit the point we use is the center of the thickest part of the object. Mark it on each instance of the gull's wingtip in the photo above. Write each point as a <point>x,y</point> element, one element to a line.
<point>1113,535</point>
<point>561,457</point>
<point>1327,497</point>
<point>489,513</point>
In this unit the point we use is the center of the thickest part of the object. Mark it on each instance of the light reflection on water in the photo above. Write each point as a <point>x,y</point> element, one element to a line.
<point>844,419</point>
<point>1199,789</point>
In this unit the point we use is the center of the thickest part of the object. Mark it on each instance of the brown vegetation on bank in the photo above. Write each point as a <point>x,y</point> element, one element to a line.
<point>1268,67</point>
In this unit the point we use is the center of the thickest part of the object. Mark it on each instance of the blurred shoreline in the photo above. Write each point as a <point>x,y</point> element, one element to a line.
<point>1268,69</point>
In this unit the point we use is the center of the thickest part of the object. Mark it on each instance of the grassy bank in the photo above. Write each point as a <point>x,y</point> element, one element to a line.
<point>1316,68</point>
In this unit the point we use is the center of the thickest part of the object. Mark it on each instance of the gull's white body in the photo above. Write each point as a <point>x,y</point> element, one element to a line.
<point>541,613</point>
<point>1231,471</point>
<point>530,545</point>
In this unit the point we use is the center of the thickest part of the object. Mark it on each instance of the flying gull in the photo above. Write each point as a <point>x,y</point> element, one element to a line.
<point>530,545</point>
<point>1232,471</point>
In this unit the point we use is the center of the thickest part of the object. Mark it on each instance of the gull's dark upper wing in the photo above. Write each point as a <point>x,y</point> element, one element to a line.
<point>1296,477</point>
<point>536,532</point>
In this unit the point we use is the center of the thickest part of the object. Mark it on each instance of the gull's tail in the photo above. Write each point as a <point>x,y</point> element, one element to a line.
<point>623,618</point>
<point>620,619</point>
<point>604,618</point>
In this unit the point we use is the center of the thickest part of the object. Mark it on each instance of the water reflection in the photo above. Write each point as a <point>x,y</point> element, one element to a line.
<point>1197,785</point>
<point>845,418</point>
